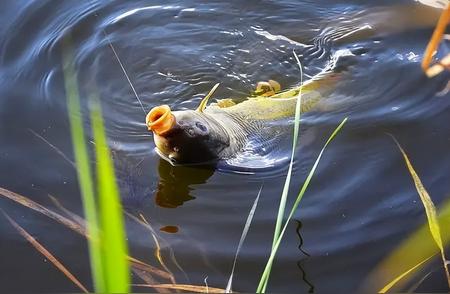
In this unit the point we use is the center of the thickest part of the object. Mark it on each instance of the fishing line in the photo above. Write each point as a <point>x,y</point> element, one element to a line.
<point>123,69</point>
<point>122,66</point>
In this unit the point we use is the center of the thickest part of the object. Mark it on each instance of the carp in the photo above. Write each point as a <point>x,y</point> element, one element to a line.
<point>224,128</point>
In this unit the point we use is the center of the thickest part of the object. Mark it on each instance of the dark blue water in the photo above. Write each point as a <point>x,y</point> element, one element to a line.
<point>360,204</point>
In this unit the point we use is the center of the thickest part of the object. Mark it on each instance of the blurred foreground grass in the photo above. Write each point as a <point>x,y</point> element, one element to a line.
<point>104,216</point>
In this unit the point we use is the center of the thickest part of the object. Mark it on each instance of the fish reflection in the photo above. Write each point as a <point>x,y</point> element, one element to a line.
<point>176,183</point>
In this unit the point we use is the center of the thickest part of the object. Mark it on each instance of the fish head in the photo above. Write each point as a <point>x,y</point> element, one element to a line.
<point>186,136</point>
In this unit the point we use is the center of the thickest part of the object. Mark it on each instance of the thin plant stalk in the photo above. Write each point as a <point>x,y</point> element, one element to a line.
<point>430,209</point>
<point>83,166</point>
<point>41,249</point>
<point>114,245</point>
<point>248,222</point>
<point>392,283</point>
<point>436,38</point>
<point>76,227</point>
<point>183,287</point>
<point>105,226</point>
<point>266,274</point>
<point>287,182</point>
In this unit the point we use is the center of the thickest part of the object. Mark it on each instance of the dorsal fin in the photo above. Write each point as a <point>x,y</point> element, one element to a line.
<point>204,101</point>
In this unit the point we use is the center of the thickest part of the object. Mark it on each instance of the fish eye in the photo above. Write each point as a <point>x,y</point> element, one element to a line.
<point>201,126</point>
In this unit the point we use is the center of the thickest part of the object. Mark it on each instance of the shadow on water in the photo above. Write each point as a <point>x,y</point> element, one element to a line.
<point>301,261</point>
<point>176,183</point>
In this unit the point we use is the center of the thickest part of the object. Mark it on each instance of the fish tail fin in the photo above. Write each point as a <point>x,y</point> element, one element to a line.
<point>325,81</point>
<point>332,73</point>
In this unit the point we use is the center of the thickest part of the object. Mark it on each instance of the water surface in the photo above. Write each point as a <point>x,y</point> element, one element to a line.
<point>360,204</point>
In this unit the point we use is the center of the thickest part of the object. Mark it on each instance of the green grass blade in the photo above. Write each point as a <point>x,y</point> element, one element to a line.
<point>83,165</point>
<point>413,253</point>
<point>430,209</point>
<point>403,275</point>
<point>266,274</point>
<point>287,182</point>
<point>395,269</point>
<point>114,249</point>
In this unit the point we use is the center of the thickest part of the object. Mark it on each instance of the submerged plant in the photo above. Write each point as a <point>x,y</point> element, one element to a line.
<point>41,249</point>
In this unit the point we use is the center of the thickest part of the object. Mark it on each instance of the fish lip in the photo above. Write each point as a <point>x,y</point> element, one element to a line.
<point>160,120</point>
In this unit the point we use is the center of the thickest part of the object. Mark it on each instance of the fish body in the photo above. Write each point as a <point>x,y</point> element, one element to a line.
<point>224,128</point>
<point>255,118</point>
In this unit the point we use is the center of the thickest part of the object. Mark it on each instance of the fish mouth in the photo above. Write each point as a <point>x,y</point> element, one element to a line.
<point>160,119</point>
